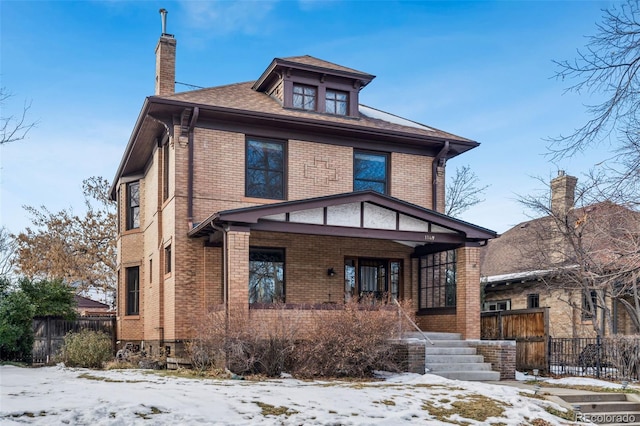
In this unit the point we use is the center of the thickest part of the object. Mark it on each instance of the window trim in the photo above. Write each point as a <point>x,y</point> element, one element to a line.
<point>132,301</point>
<point>131,208</point>
<point>283,189</point>
<point>387,170</point>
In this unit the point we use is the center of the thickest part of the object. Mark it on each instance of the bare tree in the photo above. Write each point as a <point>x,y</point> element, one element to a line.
<point>593,249</point>
<point>7,253</point>
<point>463,192</point>
<point>14,127</point>
<point>608,66</point>
<point>79,249</point>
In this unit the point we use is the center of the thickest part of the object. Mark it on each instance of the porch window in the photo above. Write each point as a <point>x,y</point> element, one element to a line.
<point>266,275</point>
<point>265,169</point>
<point>133,290</point>
<point>533,300</point>
<point>437,280</point>
<point>133,205</point>
<point>370,171</point>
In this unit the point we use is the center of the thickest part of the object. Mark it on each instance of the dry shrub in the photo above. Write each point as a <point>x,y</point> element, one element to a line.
<point>242,346</point>
<point>350,342</point>
<point>86,348</point>
<point>624,354</point>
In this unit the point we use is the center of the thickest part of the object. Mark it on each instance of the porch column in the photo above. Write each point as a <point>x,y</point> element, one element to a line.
<point>237,249</point>
<point>468,292</point>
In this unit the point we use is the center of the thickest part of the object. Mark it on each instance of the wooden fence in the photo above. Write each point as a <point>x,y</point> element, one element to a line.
<point>528,327</point>
<point>49,334</point>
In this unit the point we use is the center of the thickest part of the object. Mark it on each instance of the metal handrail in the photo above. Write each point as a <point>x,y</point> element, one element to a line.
<point>411,321</point>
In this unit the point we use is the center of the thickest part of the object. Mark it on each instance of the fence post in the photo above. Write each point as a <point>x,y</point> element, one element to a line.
<point>599,346</point>
<point>549,355</point>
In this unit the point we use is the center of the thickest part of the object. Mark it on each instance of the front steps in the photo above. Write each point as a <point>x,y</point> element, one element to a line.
<point>605,408</point>
<point>454,358</point>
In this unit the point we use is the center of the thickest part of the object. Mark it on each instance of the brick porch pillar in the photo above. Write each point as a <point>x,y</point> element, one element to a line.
<point>237,256</point>
<point>468,292</point>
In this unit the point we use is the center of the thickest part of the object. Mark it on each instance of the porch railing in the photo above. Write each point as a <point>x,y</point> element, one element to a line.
<point>411,321</point>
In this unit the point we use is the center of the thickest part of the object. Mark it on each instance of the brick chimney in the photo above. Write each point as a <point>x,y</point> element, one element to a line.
<point>563,192</point>
<point>165,61</point>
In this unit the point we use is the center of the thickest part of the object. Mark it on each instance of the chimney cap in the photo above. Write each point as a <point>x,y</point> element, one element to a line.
<point>163,14</point>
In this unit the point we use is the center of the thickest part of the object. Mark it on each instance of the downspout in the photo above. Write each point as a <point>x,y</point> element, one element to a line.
<point>440,158</point>
<point>192,124</point>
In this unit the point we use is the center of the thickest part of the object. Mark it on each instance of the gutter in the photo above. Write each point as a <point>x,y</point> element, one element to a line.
<point>192,124</point>
<point>440,157</point>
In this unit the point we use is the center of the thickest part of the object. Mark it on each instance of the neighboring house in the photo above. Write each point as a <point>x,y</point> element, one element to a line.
<point>531,265</point>
<point>91,308</point>
<point>285,189</point>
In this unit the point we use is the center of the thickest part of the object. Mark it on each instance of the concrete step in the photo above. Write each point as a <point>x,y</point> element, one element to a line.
<point>448,344</point>
<point>432,335</point>
<point>477,376</point>
<point>453,359</point>
<point>459,366</point>
<point>441,350</point>
<point>608,406</point>
<point>595,397</point>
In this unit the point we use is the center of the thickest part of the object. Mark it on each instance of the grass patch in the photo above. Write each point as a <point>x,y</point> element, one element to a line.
<point>272,410</point>
<point>475,407</point>
<point>539,395</point>
<point>106,379</point>
<point>566,415</point>
<point>387,402</point>
<point>154,411</point>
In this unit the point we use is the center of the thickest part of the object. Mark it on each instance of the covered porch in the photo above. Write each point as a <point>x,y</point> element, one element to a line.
<point>320,252</point>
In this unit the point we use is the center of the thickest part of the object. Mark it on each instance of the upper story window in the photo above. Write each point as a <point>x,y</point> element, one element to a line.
<point>165,172</point>
<point>133,205</point>
<point>265,169</point>
<point>370,171</point>
<point>304,97</point>
<point>533,300</point>
<point>336,102</point>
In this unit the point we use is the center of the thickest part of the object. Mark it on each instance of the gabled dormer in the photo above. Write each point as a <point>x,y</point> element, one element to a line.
<point>310,84</point>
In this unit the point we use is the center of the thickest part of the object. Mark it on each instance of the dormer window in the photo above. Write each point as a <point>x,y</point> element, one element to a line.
<point>304,97</point>
<point>336,102</point>
<point>310,84</point>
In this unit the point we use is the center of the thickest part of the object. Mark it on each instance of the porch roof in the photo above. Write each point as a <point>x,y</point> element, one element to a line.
<point>362,214</point>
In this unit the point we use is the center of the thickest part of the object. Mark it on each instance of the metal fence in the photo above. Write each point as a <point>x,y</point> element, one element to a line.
<point>49,334</point>
<point>605,358</point>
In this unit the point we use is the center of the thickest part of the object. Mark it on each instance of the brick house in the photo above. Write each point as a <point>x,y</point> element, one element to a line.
<point>285,189</point>
<point>530,265</point>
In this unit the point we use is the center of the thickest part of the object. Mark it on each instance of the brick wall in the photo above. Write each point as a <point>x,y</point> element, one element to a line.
<point>501,354</point>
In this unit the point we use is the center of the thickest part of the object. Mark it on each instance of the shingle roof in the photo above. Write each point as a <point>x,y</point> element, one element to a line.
<point>242,97</point>
<point>526,246</point>
<point>315,62</point>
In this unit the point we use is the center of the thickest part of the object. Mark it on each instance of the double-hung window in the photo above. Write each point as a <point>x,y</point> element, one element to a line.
<point>336,102</point>
<point>265,169</point>
<point>133,290</point>
<point>133,205</point>
<point>266,275</point>
<point>370,171</point>
<point>304,97</point>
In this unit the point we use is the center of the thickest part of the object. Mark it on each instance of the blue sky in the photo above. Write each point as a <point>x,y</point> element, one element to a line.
<point>481,70</point>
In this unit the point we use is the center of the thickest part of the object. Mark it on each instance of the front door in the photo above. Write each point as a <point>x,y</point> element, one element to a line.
<point>379,278</point>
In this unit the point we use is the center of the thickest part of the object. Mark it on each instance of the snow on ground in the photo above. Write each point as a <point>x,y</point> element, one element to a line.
<point>573,381</point>
<point>60,395</point>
